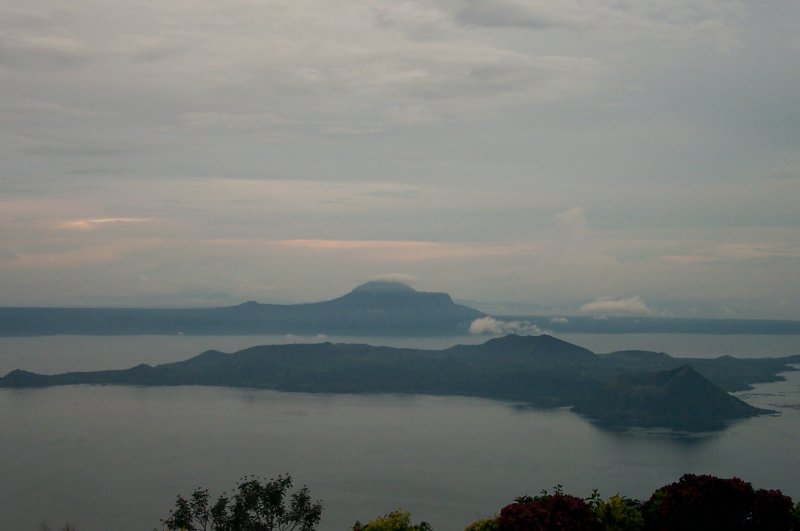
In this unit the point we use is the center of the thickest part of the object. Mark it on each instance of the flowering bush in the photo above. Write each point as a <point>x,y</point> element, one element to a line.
<point>705,503</point>
<point>556,512</point>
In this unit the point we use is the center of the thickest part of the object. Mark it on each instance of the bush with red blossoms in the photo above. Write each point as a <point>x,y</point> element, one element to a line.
<point>709,503</point>
<point>774,511</point>
<point>556,512</point>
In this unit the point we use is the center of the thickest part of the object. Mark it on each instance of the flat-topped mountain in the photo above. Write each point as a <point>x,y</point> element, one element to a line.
<point>539,370</point>
<point>377,308</point>
<point>372,309</point>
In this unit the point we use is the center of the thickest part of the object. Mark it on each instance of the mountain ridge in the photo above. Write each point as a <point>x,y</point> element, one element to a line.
<point>371,309</point>
<point>542,371</point>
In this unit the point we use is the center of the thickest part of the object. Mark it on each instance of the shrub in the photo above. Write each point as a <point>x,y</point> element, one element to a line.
<point>485,524</point>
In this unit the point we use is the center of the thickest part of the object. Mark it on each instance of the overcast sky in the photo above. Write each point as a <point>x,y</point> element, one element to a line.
<point>586,156</point>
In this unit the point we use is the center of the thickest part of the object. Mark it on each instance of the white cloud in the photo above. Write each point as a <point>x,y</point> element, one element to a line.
<point>496,327</point>
<point>621,306</point>
<point>572,221</point>
<point>403,278</point>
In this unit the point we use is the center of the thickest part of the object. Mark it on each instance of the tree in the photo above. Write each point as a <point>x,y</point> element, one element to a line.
<point>257,505</point>
<point>394,521</point>
<point>619,513</point>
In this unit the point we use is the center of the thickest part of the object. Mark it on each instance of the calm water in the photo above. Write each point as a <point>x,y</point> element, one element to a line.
<point>115,457</point>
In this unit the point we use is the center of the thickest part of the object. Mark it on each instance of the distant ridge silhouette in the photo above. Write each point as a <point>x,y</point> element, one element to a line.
<point>371,309</point>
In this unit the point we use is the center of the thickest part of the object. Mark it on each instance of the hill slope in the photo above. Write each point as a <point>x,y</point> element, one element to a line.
<point>679,398</point>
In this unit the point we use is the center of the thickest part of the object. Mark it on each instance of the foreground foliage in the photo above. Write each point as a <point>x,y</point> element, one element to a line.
<point>394,521</point>
<point>547,511</point>
<point>618,513</point>
<point>257,505</point>
<point>693,503</point>
<point>707,502</point>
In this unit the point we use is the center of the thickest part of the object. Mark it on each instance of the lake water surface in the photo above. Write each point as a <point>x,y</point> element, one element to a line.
<point>110,457</point>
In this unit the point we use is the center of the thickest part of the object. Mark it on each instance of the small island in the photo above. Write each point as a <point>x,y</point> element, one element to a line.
<point>679,398</point>
<point>633,388</point>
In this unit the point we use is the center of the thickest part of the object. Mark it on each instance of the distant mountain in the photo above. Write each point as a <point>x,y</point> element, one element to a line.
<point>376,308</point>
<point>372,309</point>
<point>539,370</point>
<point>680,398</point>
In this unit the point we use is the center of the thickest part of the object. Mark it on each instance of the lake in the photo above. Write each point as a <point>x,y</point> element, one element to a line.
<point>115,457</point>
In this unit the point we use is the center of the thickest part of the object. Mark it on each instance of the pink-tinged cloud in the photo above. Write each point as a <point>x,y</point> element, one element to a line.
<point>748,251</point>
<point>733,252</point>
<point>83,224</point>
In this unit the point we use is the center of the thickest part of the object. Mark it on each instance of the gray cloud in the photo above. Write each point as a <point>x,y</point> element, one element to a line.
<point>538,153</point>
<point>70,150</point>
<point>34,54</point>
<point>503,13</point>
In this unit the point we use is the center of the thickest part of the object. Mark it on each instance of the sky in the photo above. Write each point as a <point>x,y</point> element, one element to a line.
<point>599,157</point>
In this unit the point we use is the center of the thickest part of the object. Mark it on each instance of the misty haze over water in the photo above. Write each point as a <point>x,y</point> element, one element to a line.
<point>115,457</point>
<point>54,354</point>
